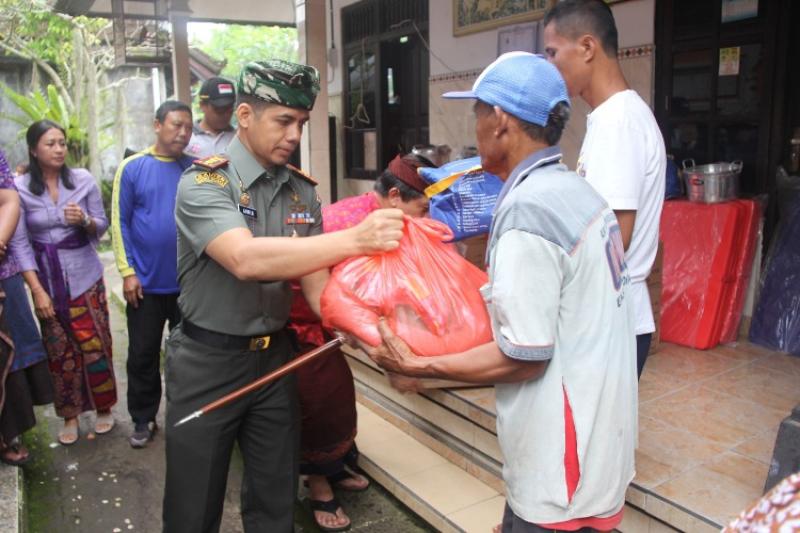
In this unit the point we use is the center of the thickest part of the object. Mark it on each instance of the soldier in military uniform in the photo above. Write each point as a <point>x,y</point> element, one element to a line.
<point>238,217</point>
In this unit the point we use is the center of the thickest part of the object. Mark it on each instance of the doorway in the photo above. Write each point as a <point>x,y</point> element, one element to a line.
<point>386,63</point>
<point>720,71</point>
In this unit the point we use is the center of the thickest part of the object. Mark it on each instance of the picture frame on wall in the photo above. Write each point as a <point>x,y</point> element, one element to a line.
<point>472,16</point>
<point>522,37</point>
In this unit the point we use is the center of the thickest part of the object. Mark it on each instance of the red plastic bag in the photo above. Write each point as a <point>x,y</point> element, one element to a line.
<point>427,292</point>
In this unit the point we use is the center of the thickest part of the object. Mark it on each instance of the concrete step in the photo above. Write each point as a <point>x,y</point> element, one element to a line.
<point>11,487</point>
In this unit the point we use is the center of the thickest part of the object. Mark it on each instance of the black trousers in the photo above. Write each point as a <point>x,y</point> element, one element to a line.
<point>642,350</point>
<point>145,327</point>
<point>265,423</point>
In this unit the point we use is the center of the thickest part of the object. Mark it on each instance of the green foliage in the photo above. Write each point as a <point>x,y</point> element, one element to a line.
<point>237,44</point>
<point>106,191</point>
<point>37,106</point>
<point>47,34</point>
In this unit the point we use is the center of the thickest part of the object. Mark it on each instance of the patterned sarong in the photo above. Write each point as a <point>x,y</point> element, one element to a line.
<point>79,355</point>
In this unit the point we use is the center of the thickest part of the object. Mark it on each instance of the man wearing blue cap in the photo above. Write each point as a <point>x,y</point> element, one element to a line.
<point>563,353</point>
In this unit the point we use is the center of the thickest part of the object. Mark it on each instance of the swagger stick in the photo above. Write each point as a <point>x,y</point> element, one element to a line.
<point>326,348</point>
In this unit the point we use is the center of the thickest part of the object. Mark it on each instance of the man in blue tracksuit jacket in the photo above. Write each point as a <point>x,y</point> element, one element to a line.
<point>145,247</point>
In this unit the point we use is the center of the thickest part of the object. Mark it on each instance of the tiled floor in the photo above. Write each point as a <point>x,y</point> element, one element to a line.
<point>707,426</point>
<point>707,423</point>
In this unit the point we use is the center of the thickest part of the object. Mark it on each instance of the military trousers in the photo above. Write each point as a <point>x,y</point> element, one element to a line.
<point>264,423</point>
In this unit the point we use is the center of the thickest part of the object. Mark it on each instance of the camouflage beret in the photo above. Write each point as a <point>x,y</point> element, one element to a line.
<point>280,82</point>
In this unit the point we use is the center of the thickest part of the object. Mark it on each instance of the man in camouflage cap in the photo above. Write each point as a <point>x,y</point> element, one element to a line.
<point>281,82</point>
<point>237,216</point>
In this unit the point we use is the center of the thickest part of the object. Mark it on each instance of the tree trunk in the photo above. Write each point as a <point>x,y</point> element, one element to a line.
<point>92,108</point>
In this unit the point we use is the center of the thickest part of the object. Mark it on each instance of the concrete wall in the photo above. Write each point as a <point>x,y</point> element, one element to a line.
<point>451,122</point>
<point>455,63</point>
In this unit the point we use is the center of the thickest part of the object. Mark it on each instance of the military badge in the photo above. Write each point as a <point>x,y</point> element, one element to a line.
<point>212,162</point>
<point>211,177</point>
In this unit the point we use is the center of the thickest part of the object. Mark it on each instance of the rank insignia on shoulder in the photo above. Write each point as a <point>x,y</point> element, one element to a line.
<point>211,177</point>
<point>300,174</point>
<point>212,162</point>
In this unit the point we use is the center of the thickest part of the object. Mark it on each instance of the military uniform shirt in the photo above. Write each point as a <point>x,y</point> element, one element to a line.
<point>211,202</point>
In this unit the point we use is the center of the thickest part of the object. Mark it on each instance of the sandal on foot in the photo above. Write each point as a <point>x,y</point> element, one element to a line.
<point>16,448</point>
<point>68,435</point>
<point>329,507</point>
<point>104,423</point>
<point>339,481</point>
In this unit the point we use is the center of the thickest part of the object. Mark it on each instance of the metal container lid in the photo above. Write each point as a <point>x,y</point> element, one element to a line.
<point>721,167</point>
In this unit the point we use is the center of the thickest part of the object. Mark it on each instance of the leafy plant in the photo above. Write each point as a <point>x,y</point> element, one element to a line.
<point>72,56</point>
<point>237,44</point>
<point>36,106</point>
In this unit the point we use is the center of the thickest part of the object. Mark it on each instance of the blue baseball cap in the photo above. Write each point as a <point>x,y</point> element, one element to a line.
<point>520,83</point>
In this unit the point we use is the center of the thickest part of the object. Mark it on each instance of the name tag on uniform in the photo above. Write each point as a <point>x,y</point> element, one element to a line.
<point>248,211</point>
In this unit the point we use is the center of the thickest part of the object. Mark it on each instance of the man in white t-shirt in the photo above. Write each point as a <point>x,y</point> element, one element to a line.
<point>563,349</point>
<point>623,154</point>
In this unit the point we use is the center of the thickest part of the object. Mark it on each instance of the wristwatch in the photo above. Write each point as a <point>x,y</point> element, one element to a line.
<point>86,221</point>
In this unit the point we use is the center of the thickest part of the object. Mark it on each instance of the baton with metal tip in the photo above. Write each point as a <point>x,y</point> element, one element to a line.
<point>292,365</point>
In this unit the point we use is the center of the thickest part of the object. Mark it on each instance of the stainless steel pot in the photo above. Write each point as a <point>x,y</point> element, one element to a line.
<point>713,183</point>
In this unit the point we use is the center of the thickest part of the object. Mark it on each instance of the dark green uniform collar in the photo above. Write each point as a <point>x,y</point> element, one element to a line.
<point>247,167</point>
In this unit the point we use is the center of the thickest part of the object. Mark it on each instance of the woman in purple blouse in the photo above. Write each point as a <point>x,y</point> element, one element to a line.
<point>62,215</point>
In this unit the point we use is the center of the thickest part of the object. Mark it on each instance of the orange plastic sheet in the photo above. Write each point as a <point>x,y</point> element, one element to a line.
<point>428,293</point>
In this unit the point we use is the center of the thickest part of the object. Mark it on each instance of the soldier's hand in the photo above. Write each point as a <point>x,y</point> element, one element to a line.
<point>380,231</point>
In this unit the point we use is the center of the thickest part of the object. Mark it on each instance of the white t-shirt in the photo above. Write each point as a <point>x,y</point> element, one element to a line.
<point>624,159</point>
<point>558,293</point>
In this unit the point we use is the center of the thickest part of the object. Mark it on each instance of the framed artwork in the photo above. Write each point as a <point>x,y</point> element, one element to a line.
<point>471,16</point>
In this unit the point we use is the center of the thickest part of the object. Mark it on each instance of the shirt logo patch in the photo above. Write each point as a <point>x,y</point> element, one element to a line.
<point>211,177</point>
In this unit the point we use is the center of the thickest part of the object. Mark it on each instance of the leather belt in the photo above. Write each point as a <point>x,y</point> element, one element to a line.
<point>224,341</point>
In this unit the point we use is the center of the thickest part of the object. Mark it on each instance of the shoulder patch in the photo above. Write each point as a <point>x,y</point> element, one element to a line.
<point>212,162</point>
<point>300,174</point>
<point>211,177</point>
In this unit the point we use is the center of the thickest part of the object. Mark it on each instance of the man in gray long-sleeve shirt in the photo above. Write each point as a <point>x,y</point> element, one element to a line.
<point>213,133</point>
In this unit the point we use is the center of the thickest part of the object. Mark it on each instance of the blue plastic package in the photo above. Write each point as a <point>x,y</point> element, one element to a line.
<point>462,196</point>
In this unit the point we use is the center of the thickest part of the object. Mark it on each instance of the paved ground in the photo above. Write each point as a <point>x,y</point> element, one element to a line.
<point>100,484</point>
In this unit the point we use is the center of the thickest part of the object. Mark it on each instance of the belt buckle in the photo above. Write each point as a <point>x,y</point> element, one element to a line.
<point>259,343</point>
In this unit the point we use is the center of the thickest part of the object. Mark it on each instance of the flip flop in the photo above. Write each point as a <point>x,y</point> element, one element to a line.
<point>338,481</point>
<point>68,435</point>
<point>330,507</point>
<point>15,447</point>
<point>104,423</point>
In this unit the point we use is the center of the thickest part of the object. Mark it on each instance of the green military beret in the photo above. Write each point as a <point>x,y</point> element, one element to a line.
<point>280,82</point>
